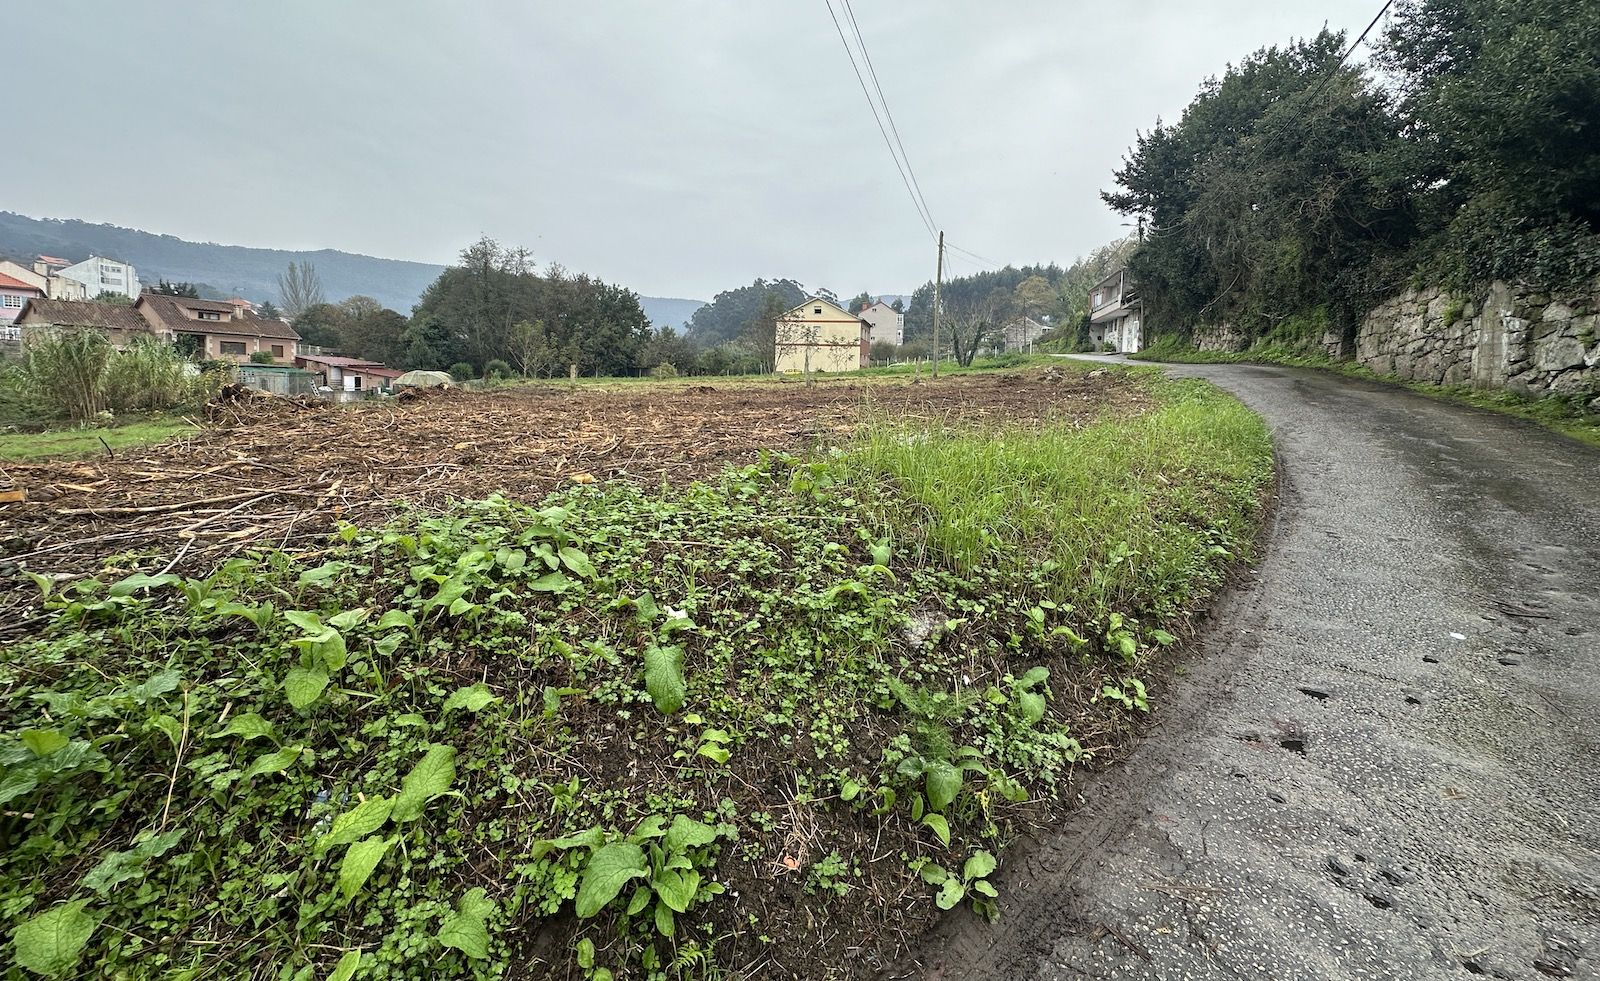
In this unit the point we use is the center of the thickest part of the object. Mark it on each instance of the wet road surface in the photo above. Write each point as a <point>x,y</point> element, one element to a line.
<point>1382,760</point>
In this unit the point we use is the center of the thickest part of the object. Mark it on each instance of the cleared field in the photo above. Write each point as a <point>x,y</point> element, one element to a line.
<point>660,681</point>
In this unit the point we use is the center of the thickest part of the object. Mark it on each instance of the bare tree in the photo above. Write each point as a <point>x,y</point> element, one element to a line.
<point>299,289</point>
<point>973,322</point>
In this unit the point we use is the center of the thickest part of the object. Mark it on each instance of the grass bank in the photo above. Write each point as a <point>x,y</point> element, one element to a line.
<point>768,723</point>
<point>89,441</point>
<point>1568,416</point>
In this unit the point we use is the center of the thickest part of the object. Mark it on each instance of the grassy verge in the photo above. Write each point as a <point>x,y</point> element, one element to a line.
<point>660,733</point>
<point>89,441</point>
<point>1569,416</point>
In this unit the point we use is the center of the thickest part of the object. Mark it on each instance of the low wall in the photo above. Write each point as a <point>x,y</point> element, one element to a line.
<point>1512,336</point>
<point>1220,337</point>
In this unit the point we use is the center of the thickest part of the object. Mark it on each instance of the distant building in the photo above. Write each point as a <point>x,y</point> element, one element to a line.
<point>348,374</point>
<point>101,275</point>
<point>14,296</point>
<point>119,322</point>
<point>1116,312</point>
<point>215,330</point>
<point>887,323</point>
<point>1022,333</point>
<point>42,277</point>
<point>820,335</point>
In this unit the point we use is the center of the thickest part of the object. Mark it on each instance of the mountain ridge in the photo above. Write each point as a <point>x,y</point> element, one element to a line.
<point>249,271</point>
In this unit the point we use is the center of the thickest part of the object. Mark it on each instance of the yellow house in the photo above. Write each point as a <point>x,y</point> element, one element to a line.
<point>820,335</point>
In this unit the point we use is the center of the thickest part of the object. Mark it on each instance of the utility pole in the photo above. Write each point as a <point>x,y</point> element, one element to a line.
<point>938,281</point>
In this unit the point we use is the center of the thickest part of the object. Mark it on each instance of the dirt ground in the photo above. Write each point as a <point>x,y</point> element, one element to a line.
<point>273,471</point>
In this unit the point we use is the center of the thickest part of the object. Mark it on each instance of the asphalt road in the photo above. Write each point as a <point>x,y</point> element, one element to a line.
<point>1382,760</point>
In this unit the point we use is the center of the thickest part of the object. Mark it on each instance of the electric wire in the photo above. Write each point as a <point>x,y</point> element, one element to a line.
<point>916,202</point>
<point>872,73</point>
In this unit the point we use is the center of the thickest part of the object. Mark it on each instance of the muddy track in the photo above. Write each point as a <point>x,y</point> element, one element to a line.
<point>1383,757</point>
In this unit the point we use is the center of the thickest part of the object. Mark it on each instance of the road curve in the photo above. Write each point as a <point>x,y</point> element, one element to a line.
<point>1382,760</point>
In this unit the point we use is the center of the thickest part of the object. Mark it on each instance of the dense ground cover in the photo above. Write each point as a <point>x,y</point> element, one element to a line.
<point>89,441</point>
<point>768,720</point>
<point>1569,416</point>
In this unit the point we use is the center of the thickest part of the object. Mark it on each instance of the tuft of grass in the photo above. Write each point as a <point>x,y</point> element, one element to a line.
<point>89,441</point>
<point>1128,514</point>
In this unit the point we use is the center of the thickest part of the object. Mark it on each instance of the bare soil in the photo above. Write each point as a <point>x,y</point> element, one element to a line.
<point>281,472</point>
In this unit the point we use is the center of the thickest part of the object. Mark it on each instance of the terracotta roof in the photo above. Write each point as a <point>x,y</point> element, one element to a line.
<point>170,311</point>
<point>339,361</point>
<point>82,313</point>
<point>10,283</point>
<point>54,261</point>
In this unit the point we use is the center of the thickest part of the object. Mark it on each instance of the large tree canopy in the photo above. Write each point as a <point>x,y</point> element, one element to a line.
<point>493,305</point>
<point>737,313</point>
<point>1297,190</point>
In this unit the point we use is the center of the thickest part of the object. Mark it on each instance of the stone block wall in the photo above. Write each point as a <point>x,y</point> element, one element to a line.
<point>1512,336</point>
<point>1220,337</point>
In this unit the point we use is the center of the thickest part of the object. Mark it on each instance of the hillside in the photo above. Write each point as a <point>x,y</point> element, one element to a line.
<point>236,270</point>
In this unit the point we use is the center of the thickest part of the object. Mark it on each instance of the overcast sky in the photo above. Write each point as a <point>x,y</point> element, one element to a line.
<point>679,148</point>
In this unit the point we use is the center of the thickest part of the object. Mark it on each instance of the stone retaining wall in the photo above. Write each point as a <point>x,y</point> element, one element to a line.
<point>1514,336</point>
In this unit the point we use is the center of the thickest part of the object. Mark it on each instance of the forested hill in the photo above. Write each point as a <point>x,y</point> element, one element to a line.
<point>236,270</point>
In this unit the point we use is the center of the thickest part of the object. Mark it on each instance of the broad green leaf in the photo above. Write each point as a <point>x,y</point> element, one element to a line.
<point>944,783</point>
<point>396,618</point>
<point>983,888</point>
<point>664,920</point>
<point>1034,676</point>
<point>677,888</point>
<point>359,861</point>
<point>358,822</point>
<point>157,685</point>
<point>271,763</point>
<point>432,776</point>
<point>577,561</point>
<point>15,784</point>
<point>933,874</point>
<point>645,607</point>
<point>950,893</point>
<point>346,968</point>
<point>663,677</point>
<point>686,833</point>
<point>1031,704</point>
<point>172,728</point>
<point>715,753</point>
<point>550,582</point>
<point>43,742</point>
<point>311,623</point>
<point>586,953</point>
<point>349,618</point>
<point>978,866</point>
<point>467,930</point>
<point>472,698</point>
<point>609,869</point>
<point>511,559</point>
<point>641,899</point>
<point>304,685</point>
<point>51,943</point>
<point>939,826</point>
<point>849,791</point>
<point>248,726</point>
<point>140,580</point>
<point>323,572</point>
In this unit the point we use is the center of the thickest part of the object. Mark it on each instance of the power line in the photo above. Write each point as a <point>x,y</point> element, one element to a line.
<point>1349,51</point>
<point>872,73</point>
<point>916,202</point>
<point>973,255</point>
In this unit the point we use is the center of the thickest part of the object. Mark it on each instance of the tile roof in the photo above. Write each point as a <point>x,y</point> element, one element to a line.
<point>170,311</point>
<point>82,313</point>
<point>11,283</point>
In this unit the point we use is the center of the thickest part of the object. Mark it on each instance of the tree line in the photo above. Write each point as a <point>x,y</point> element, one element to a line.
<point>1296,191</point>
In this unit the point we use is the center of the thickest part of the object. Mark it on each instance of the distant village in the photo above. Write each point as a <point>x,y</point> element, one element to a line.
<point>266,352</point>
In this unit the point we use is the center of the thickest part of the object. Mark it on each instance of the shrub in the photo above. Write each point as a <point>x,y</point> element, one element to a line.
<point>663,371</point>
<point>78,374</point>
<point>461,371</point>
<point>497,368</point>
<point>263,357</point>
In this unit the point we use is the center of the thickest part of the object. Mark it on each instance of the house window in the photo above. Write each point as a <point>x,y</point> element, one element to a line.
<point>12,300</point>
<point>231,347</point>
<point>208,315</point>
<point>277,350</point>
<point>816,310</point>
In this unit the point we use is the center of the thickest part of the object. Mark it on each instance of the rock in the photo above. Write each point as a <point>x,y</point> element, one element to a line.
<point>1559,353</point>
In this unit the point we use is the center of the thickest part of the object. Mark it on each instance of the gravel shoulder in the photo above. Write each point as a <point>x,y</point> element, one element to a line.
<point>1381,758</point>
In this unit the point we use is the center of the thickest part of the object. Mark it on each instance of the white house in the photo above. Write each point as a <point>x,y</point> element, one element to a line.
<point>820,335</point>
<point>1116,313</point>
<point>101,275</point>
<point>887,323</point>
